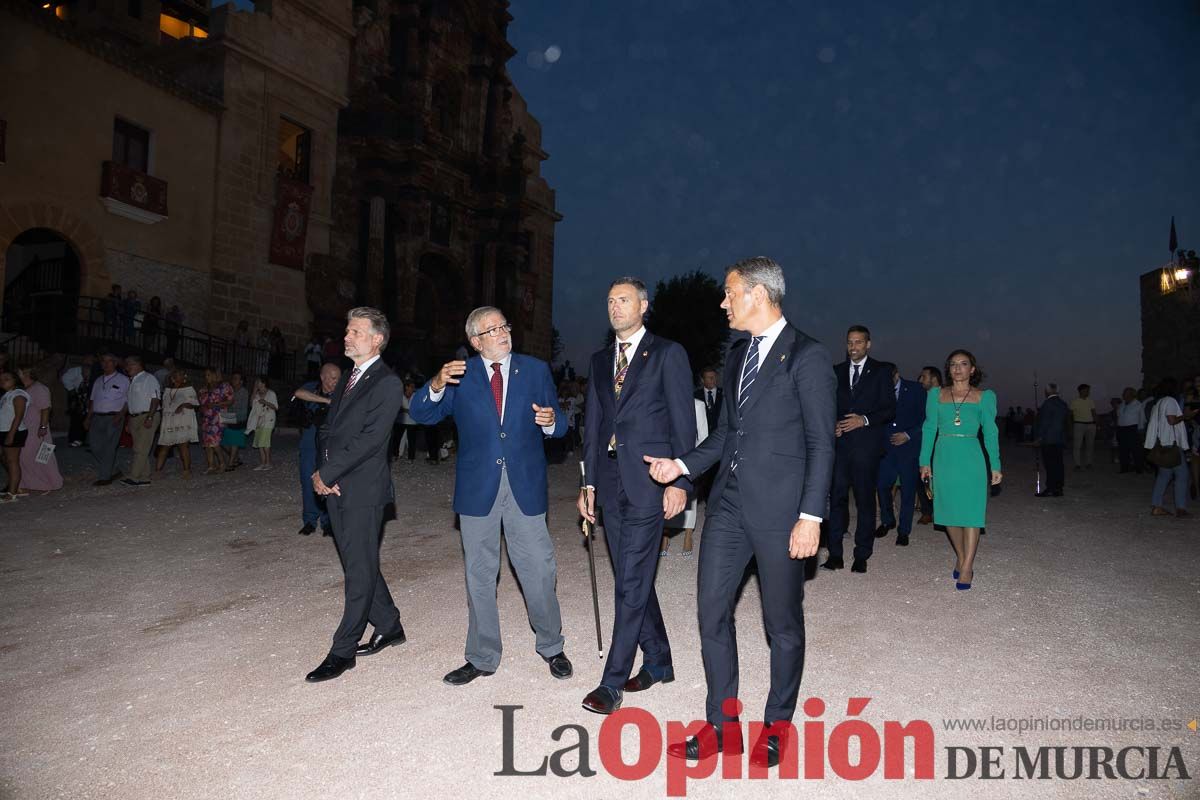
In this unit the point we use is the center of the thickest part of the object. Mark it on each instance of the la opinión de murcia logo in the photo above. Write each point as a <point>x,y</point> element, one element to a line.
<point>812,753</point>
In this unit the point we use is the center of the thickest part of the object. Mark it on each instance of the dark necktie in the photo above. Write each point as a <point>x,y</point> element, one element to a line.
<point>619,382</point>
<point>498,389</point>
<point>709,394</point>
<point>749,371</point>
<point>354,373</point>
<point>854,376</point>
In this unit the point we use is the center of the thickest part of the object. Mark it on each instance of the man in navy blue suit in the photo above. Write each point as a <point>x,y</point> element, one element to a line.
<point>774,444</point>
<point>504,405</point>
<point>639,402</point>
<point>901,452</point>
<point>865,407</point>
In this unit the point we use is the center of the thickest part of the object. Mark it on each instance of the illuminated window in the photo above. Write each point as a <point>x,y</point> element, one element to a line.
<point>295,148</point>
<point>131,145</point>
<point>179,29</point>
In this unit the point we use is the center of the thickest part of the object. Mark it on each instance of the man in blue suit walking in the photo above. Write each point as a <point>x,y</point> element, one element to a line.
<point>504,405</point>
<point>901,452</point>
<point>639,403</point>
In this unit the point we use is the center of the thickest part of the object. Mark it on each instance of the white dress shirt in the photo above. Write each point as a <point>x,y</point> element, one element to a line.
<point>634,341</point>
<point>1130,415</point>
<point>142,390</point>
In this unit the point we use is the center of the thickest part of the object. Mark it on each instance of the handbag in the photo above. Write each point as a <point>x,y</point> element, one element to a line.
<point>44,453</point>
<point>1165,456</point>
<point>228,419</point>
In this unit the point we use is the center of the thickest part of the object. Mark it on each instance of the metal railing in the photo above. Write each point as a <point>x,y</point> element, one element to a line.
<point>94,323</point>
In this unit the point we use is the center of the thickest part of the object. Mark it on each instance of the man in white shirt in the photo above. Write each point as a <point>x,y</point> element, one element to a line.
<point>145,397</point>
<point>1130,421</point>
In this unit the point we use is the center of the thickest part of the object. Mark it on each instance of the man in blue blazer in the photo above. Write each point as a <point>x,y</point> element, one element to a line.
<point>774,443</point>
<point>901,451</point>
<point>504,405</point>
<point>866,406</point>
<point>639,402</point>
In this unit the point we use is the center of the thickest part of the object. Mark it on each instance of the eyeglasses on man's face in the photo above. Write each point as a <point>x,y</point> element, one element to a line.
<point>496,331</point>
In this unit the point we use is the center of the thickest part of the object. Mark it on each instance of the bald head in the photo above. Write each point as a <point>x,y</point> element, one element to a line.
<point>330,374</point>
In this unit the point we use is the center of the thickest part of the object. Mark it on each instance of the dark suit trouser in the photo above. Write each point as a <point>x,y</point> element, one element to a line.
<point>634,536</point>
<point>726,547</point>
<point>896,464</point>
<point>357,531</point>
<point>855,468</point>
<point>1127,447</point>
<point>1052,456</point>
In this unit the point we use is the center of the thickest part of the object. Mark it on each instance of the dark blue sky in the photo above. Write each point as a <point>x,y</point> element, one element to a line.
<point>990,176</point>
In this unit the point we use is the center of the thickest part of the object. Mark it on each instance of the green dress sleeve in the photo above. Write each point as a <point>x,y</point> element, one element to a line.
<point>991,434</point>
<point>930,426</point>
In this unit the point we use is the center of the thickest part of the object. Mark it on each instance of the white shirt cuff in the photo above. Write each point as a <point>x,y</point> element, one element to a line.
<point>435,396</point>
<point>548,430</point>
<point>683,466</point>
<point>810,516</point>
<point>866,422</point>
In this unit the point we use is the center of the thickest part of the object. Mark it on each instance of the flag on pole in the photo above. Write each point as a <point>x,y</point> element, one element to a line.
<point>1174,244</point>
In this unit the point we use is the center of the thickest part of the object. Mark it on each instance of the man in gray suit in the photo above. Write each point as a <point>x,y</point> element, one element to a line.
<point>775,446</point>
<point>1051,435</point>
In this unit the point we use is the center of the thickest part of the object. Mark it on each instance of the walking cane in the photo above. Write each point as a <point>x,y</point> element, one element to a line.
<point>588,532</point>
<point>1037,451</point>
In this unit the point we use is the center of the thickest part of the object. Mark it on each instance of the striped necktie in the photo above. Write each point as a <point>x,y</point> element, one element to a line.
<point>619,382</point>
<point>749,371</point>
<point>354,373</point>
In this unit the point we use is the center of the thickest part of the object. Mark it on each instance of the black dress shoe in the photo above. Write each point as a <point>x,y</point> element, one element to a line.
<point>464,675</point>
<point>833,563</point>
<point>766,750</point>
<point>694,749</point>
<point>102,482</point>
<point>307,529</point>
<point>859,565</point>
<point>330,668</point>
<point>602,700</point>
<point>560,666</point>
<point>378,641</point>
<point>326,531</point>
<point>902,541</point>
<point>644,680</point>
<point>882,531</point>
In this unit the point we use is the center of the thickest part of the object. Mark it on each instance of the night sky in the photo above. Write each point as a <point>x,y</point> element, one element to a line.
<point>988,176</point>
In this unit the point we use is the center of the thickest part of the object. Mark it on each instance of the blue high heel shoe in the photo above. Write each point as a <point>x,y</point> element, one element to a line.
<point>955,574</point>
<point>962,587</point>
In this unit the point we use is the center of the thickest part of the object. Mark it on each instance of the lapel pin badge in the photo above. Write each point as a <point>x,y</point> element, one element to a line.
<point>645,354</point>
<point>782,356</point>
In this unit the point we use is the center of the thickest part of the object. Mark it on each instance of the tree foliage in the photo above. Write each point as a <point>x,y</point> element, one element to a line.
<point>687,309</point>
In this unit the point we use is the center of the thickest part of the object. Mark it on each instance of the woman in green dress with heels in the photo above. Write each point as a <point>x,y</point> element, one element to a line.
<point>954,416</point>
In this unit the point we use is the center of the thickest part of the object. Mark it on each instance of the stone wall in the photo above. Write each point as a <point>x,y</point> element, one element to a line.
<point>172,283</point>
<point>1170,329</point>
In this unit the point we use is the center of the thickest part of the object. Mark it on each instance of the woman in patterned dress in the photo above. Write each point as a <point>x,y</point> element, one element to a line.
<point>215,397</point>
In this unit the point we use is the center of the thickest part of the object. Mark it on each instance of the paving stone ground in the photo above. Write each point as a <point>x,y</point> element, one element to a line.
<point>153,644</point>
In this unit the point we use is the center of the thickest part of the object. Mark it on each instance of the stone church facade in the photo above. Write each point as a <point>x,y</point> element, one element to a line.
<point>439,204</point>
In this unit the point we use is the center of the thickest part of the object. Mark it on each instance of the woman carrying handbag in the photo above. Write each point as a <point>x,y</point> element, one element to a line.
<point>1167,443</point>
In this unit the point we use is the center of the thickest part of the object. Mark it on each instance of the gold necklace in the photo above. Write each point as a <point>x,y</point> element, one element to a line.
<point>958,406</point>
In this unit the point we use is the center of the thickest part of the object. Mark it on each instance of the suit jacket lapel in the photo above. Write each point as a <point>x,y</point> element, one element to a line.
<point>515,380</point>
<point>733,374</point>
<point>636,362</point>
<point>359,387</point>
<point>769,364</point>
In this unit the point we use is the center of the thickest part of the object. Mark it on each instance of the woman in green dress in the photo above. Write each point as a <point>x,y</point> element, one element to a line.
<point>954,416</point>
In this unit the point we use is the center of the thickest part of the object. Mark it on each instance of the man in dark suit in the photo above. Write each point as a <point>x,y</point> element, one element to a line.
<point>711,395</point>
<point>866,405</point>
<point>1053,420</point>
<point>638,402</point>
<point>504,405</point>
<point>774,444</point>
<point>901,453</point>
<point>356,481</point>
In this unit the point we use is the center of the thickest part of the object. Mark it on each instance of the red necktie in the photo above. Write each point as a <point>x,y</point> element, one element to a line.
<point>498,389</point>
<point>354,373</point>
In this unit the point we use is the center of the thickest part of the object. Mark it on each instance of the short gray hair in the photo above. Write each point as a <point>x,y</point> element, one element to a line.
<point>631,281</point>
<point>764,272</point>
<point>473,318</point>
<point>378,320</point>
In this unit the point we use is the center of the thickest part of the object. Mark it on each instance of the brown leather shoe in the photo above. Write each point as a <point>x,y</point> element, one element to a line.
<point>767,749</point>
<point>925,519</point>
<point>644,680</point>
